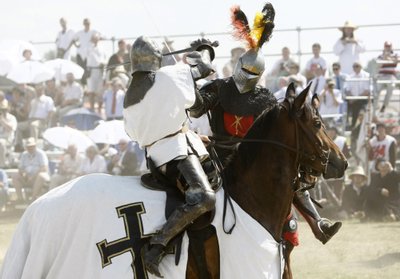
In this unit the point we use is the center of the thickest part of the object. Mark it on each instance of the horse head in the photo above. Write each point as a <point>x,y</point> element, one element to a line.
<point>317,153</point>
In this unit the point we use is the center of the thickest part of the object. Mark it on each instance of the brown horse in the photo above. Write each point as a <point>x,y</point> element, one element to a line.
<point>95,226</point>
<point>264,172</point>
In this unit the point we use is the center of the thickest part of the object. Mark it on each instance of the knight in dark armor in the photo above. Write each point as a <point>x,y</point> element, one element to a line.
<point>235,102</point>
<point>155,116</point>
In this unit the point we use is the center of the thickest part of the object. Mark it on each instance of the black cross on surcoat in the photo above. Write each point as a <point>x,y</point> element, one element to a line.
<point>132,242</point>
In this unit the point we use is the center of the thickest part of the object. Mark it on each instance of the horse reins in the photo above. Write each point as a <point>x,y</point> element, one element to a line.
<point>323,154</point>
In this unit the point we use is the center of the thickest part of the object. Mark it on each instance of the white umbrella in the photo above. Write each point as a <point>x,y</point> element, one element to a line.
<point>15,48</point>
<point>64,136</point>
<point>62,67</point>
<point>7,62</point>
<point>110,132</point>
<point>30,72</point>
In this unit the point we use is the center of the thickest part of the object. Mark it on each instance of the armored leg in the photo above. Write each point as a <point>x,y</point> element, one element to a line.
<point>200,198</point>
<point>322,228</point>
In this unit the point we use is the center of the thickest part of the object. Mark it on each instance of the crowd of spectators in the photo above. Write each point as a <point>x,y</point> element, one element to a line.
<point>343,87</point>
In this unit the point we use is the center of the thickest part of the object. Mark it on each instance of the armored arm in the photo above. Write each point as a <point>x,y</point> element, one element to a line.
<point>206,99</point>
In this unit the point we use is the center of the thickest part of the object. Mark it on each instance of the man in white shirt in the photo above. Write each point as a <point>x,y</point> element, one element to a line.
<point>356,88</point>
<point>93,162</point>
<point>311,65</point>
<point>82,40</point>
<point>114,100</point>
<point>63,40</point>
<point>330,99</point>
<point>319,81</point>
<point>32,170</point>
<point>382,146</point>
<point>8,126</point>
<point>68,168</point>
<point>96,60</point>
<point>72,97</point>
<point>41,113</point>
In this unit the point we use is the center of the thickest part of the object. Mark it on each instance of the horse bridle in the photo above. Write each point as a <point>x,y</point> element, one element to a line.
<point>322,154</point>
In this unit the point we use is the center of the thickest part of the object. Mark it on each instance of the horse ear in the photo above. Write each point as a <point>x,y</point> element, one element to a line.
<point>315,101</point>
<point>299,101</point>
<point>290,91</point>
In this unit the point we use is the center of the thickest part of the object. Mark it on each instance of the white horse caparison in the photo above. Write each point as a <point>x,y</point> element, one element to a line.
<point>89,227</point>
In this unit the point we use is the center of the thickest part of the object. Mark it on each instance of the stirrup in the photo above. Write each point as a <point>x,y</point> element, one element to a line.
<point>328,230</point>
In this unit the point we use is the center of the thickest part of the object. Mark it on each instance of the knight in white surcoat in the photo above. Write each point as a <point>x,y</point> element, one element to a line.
<point>155,116</point>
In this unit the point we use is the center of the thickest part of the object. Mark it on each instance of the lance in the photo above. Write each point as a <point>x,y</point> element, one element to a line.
<point>188,49</point>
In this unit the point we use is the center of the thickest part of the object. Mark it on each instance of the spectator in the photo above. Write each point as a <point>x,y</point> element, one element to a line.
<point>348,48</point>
<point>382,146</point>
<point>339,140</point>
<point>53,91</point>
<point>338,76</point>
<point>68,168</point>
<point>82,40</point>
<point>330,99</point>
<point>356,88</point>
<point>113,99</point>
<point>3,100</point>
<point>294,70</point>
<point>8,126</point>
<point>124,162</point>
<point>355,194</point>
<point>311,65</point>
<point>383,201</point>
<point>27,54</point>
<point>32,170</point>
<point>120,73</point>
<point>281,67</point>
<point>387,71</point>
<point>96,60</point>
<point>93,162</point>
<point>340,79</point>
<point>72,97</point>
<point>3,190</point>
<point>319,81</point>
<point>41,112</point>
<point>64,40</point>
<point>297,83</point>
<point>338,184</point>
<point>228,68</point>
<point>121,56</point>
<point>19,107</point>
<point>283,83</point>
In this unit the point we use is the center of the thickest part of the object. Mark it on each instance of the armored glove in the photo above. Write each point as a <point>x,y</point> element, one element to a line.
<point>201,44</point>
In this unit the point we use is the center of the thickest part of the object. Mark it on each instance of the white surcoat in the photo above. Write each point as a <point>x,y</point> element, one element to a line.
<point>157,122</point>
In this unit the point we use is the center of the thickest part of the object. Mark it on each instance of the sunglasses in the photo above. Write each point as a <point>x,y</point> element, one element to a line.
<point>335,69</point>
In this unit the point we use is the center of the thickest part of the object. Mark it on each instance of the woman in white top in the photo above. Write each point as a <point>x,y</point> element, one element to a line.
<point>348,48</point>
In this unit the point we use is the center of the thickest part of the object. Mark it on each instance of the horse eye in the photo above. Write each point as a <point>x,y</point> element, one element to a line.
<point>318,124</point>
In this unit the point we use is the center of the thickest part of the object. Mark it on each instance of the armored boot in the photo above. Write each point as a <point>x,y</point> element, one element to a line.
<point>322,228</point>
<point>200,198</point>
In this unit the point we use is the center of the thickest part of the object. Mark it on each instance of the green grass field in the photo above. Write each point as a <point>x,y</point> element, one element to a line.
<point>369,250</point>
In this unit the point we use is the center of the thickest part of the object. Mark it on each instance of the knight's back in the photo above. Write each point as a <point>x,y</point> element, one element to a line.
<point>161,112</point>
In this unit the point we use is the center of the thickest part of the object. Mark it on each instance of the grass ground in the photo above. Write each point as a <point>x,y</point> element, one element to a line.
<point>367,250</point>
<point>370,250</point>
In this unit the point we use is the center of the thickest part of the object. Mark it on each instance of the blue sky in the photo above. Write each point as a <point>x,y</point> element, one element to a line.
<point>37,20</point>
